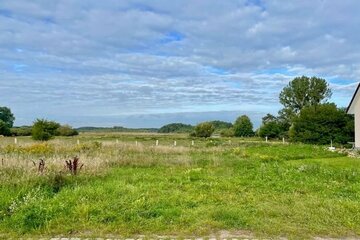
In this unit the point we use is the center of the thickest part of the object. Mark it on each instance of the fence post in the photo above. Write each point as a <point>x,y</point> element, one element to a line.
<point>15,140</point>
<point>174,143</point>
<point>157,143</point>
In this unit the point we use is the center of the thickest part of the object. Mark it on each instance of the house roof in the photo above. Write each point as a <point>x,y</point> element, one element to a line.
<point>350,109</point>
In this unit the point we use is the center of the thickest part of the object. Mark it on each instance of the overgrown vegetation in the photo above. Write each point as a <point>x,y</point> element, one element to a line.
<point>270,190</point>
<point>44,130</point>
<point>204,130</point>
<point>322,124</point>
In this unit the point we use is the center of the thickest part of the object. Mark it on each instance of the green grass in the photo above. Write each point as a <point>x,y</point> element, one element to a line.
<point>270,190</point>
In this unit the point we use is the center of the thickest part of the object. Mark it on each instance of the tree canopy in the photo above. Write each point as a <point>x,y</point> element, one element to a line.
<point>176,128</point>
<point>302,92</point>
<point>221,124</point>
<point>6,120</point>
<point>322,123</point>
<point>243,127</point>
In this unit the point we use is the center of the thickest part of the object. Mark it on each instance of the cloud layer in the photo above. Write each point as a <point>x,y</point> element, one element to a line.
<point>143,63</point>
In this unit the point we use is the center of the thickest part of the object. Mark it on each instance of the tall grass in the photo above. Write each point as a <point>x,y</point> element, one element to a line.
<point>267,190</point>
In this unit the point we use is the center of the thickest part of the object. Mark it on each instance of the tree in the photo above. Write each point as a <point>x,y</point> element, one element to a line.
<point>221,124</point>
<point>243,127</point>
<point>268,118</point>
<point>302,92</point>
<point>273,127</point>
<point>319,124</point>
<point>44,130</point>
<point>6,121</point>
<point>204,129</point>
<point>4,129</point>
<point>6,116</point>
<point>270,129</point>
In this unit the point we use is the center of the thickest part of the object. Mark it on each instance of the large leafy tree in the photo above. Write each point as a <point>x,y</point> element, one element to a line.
<point>6,116</point>
<point>6,121</point>
<point>243,127</point>
<point>319,124</point>
<point>302,92</point>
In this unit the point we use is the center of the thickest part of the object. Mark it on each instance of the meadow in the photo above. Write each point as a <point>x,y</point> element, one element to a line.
<point>128,186</point>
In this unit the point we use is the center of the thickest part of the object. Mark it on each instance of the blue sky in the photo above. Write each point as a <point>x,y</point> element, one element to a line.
<point>148,63</point>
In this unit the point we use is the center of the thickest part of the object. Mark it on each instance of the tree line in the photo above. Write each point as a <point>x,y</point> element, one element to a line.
<point>306,117</point>
<point>41,129</point>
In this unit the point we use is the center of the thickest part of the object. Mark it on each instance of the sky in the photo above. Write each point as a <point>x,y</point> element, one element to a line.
<point>148,63</point>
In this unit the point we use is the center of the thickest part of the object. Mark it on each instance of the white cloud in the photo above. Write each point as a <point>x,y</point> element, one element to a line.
<point>112,57</point>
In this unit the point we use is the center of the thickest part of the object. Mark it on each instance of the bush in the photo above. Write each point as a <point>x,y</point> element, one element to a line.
<point>204,129</point>
<point>66,130</point>
<point>227,132</point>
<point>44,130</point>
<point>322,123</point>
<point>21,131</point>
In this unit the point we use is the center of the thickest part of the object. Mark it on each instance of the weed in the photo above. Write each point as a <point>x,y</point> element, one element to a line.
<point>74,165</point>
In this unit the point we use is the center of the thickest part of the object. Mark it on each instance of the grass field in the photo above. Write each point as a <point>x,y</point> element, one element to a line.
<point>265,189</point>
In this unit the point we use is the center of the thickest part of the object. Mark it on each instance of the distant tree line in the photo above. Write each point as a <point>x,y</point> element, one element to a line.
<point>41,129</point>
<point>306,117</point>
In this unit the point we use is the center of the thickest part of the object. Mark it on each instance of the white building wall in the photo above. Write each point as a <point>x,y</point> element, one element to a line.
<point>357,126</point>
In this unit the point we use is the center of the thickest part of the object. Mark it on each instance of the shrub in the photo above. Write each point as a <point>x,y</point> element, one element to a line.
<point>44,130</point>
<point>322,123</point>
<point>66,130</point>
<point>21,131</point>
<point>227,132</point>
<point>204,129</point>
